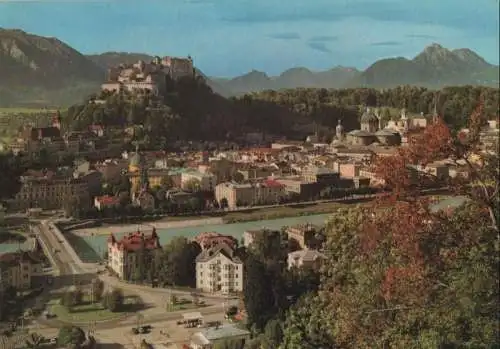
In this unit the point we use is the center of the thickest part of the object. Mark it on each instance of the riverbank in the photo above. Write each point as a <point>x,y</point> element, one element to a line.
<point>250,215</point>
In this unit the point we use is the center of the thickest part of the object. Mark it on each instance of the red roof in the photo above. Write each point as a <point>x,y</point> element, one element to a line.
<point>133,241</point>
<point>272,183</point>
<point>209,239</point>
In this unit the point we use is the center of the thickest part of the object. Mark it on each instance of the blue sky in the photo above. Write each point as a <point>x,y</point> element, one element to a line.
<point>231,37</point>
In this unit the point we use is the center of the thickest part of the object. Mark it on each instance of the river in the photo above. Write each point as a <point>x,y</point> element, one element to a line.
<point>90,248</point>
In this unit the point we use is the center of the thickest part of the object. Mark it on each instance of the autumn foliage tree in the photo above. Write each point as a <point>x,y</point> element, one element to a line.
<point>401,274</point>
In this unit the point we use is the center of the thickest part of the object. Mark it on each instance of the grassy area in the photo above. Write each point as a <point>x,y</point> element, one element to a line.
<point>7,236</point>
<point>83,313</point>
<point>295,210</point>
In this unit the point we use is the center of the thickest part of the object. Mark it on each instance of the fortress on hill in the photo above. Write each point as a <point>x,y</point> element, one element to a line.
<point>153,76</point>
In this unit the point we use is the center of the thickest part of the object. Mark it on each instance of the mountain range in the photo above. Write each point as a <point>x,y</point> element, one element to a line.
<point>36,69</point>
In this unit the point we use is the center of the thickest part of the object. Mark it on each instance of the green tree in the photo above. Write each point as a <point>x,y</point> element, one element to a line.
<point>223,203</point>
<point>273,334</point>
<point>11,170</point>
<point>193,185</point>
<point>96,289</point>
<point>307,326</point>
<point>180,266</point>
<point>114,300</point>
<point>258,293</point>
<point>71,337</point>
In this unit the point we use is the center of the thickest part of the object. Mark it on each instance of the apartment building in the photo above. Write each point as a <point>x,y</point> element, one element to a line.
<point>122,254</point>
<point>48,190</point>
<point>17,269</point>
<point>266,192</point>
<point>206,180</point>
<point>218,269</point>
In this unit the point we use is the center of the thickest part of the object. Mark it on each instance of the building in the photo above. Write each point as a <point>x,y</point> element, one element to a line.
<point>151,77</point>
<point>203,181</point>
<point>212,336</point>
<point>250,235</point>
<point>311,174</point>
<point>48,190</point>
<point>303,234</point>
<point>267,192</point>
<point>106,201</point>
<point>18,269</point>
<point>208,240</point>
<point>122,254</point>
<point>218,269</point>
<point>305,259</point>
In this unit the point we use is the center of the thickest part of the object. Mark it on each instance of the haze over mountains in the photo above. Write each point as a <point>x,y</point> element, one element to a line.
<point>36,69</point>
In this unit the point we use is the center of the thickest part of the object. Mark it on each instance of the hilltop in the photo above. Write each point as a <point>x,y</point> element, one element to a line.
<point>42,71</point>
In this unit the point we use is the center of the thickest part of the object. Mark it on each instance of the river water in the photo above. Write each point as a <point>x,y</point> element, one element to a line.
<point>89,248</point>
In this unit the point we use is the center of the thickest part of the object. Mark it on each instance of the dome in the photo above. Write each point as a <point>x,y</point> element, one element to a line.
<point>369,116</point>
<point>135,160</point>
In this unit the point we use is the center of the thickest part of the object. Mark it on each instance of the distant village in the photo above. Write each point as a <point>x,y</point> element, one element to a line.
<point>228,175</point>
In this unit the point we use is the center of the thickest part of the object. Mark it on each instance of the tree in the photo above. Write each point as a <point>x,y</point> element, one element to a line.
<point>438,142</point>
<point>114,300</point>
<point>238,177</point>
<point>167,183</point>
<point>71,337</point>
<point>193,185</point>
<point>68,299</point>
<point>96,289</point>
<point>180,266</point>
<point>307,326</point>
<point>223,203</point>
<point>11,170</point>
<point>273,334</point>
<point>258,293</point>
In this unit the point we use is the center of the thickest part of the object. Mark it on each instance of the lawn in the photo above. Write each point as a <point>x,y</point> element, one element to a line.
<point>86,312</point>
<point>294,210</point>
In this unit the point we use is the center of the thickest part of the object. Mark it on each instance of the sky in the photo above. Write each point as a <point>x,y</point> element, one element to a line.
<point>231,37</point>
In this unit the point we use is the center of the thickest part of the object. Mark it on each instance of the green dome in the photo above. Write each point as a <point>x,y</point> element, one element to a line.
<point>136,159</point>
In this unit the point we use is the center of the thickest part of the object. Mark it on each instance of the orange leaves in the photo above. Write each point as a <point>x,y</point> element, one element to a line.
<point>435,143</point>
<point>400,282</point>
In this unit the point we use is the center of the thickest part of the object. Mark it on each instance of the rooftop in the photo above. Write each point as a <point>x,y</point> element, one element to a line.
<point>133,241</point>
<point>224,331</point>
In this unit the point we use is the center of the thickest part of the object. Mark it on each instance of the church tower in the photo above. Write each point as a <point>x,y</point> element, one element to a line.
<point>339,131</point>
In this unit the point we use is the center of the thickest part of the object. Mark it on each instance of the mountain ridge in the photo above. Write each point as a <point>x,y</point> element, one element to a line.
<point>40,68</point>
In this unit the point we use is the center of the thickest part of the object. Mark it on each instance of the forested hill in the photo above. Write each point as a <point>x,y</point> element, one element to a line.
<point>192,111</point>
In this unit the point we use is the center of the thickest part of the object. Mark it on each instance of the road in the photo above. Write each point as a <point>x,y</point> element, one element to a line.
<point>68,264</point>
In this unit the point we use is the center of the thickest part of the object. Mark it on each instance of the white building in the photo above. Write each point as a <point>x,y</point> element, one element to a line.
<point>212,336</point>
<point>219,270</point>
<point>206,180</point>
<point>305,259</point>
